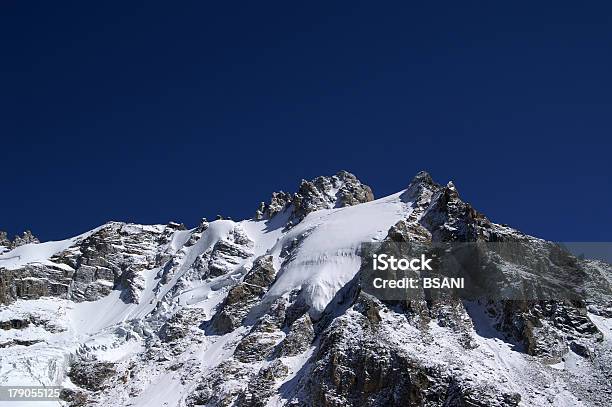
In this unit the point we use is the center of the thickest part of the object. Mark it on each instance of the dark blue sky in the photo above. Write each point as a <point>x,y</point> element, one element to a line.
<point>165,111</point>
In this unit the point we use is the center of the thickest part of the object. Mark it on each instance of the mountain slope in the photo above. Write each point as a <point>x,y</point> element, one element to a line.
<point>269,311</point>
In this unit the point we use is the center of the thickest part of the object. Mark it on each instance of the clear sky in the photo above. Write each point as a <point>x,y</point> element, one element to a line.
<point>157,111</point>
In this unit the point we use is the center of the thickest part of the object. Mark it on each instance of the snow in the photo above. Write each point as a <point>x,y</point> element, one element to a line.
<point>89,317</point>
<point>168,389</point>
<point>40,252</point>
<point>603,324</point>
<point>329,242</point>
<point>495,362</point>
<point>317,257</point>
<point>262,234</point>
<point>43,363</point>
<point>179,239</point>
<point>33,253</point>
<point>97,328</point>
<point>110,329</point>
<point>286,386</point>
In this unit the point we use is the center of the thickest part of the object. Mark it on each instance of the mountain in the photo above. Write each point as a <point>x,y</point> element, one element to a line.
<point>272,311</point>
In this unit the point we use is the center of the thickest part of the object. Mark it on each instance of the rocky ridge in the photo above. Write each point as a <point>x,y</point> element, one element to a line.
<point>340,190</point>
<point>26,238</point>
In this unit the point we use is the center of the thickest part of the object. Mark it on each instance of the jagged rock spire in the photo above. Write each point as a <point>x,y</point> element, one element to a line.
<point>4,240</point>
<point>26,238</point>
<point>337,191</point>
<point>422,177</point>
<point>421,188</point>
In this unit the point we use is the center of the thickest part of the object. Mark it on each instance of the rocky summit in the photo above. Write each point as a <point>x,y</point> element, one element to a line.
<point>271,311</point>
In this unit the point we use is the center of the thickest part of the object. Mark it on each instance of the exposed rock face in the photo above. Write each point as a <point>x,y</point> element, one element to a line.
<point>74,398</point>
<point>112,257</point>
<point>91,375</point>
<point>360,361</point>
<point>543,327</point>
<point>408,231</point>
<point>26,238</point>
<point>354,367</point>
<point>180,325</point>
<point>4,240</point>
<point>14,324</point>
<point>343,189</point>
<point>197,232</point>
<point>244,295</point>
<point>299,338</point>
<point>277,203</point>
<point>340,190</point>
<point>259,344</point>
<point>33,281</point>
<point>228,252</point>
<point>260,387</point>
<point>547,329</point>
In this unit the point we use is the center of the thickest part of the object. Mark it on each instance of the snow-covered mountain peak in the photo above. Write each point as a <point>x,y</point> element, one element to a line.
<point>269,311</point>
